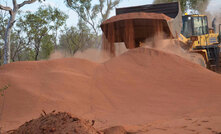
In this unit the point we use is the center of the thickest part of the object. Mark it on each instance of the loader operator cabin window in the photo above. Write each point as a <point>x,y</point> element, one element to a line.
<point>198,26</point>
<point>205,25</point>
<point>187,26</point>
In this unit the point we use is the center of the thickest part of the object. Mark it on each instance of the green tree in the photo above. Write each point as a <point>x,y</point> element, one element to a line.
<point>47,46</point>
<point>12,12</point>
<point>89,13</point>
<point>27,54</point>
<point>76,38</point>
<point>18,44</point>
<point>41,25</point>
<point>194,5</point>
<point>3,20</point>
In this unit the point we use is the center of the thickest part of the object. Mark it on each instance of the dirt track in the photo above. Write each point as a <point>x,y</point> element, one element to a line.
<point>145,90</point>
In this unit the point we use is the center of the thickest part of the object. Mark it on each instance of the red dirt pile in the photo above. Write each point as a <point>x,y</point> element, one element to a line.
<point>56,123</point>
<point>63,123</point>
<point>141,88</point>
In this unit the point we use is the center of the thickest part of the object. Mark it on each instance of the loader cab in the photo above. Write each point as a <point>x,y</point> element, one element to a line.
<point>194,25</point>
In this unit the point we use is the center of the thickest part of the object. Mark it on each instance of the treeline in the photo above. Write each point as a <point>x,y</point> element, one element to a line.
<point>36,35</point>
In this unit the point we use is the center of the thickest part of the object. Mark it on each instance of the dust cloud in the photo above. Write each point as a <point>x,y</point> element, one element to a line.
<point>213,11</point>
<point>58,54</point>
<point>172,46</point>
<point>92,54</point>
<point>218,22</point>
<point>97,55</point>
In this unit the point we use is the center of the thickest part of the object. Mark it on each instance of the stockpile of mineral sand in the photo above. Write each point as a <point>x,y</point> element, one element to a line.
<point>144,90</point>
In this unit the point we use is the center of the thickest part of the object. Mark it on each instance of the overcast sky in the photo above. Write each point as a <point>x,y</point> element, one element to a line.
<point>214,6</point>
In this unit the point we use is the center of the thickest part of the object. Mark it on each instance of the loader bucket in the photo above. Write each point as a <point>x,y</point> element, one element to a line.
<point>133,25</point>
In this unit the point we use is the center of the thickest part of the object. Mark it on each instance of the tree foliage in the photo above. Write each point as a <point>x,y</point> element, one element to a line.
<point>194,5</point>
<point>48,46</point>
<point>90,13</point>
<point>3,20</point>
<point>13,13</point>
<point>76,38</point>
<point>39,28</point>
<point>18,44</point>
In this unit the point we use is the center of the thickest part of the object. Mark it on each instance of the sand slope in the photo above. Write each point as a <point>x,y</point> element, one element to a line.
<point>140,87</point>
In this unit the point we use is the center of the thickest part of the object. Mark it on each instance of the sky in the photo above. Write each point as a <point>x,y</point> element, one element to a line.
<point>215,5</point>
<point>73,18</point>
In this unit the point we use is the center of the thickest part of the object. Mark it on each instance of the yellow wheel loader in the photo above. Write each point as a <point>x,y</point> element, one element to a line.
<point>201,39</point>
<point>135,25</point>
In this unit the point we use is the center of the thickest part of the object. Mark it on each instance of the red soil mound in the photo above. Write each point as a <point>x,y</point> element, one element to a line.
<point>141,86</point>
<point>56,123</point>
